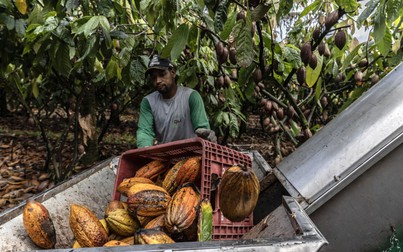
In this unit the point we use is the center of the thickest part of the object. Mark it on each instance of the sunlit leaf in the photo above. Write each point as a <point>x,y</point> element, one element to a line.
<point>312,75</point>
<point>382,35</point>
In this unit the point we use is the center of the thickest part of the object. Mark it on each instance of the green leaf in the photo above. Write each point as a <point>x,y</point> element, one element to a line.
<point>244,45</point>
<point>228,26</point>
<point>259,12</point>
<point>316,4</point>
<point>8,20</point>
<point>292,55</point>
<point>318,90</point>
<point>177,42</point>
<point>89,47</point>
<point>105,26</point>
<point>347,61</point>
<point>382,36</point>
<point>392,9</point>
<point>205,222</point>
<point>111,69</point>
<point>370,7</point>
<point>312,75</point>
<point>348,5</point>
<point>62,60</point>
<point>7,4</point>
<point>20,27</point>
<point>89,27</point>
<point>221,15</point>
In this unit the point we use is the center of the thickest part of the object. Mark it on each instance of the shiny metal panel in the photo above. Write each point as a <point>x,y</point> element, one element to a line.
<point>351,143</point>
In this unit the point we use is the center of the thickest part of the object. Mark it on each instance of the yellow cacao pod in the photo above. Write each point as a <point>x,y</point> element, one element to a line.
<point>105,225</point>
<point>238,191</point>
<point>76,244</point>
<point>189,171</point>
<point>153,169</point>
<point>182,209</point>
<point>39,225</point>
<point>147,199</point>
<point>151,236</point>
<point>114,243</point>
<point>169,182</point>
<point>121,222</point>
<point>124,186</point>
<point>86,227</point>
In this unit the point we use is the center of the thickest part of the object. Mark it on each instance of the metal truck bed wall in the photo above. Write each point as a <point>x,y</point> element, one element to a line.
<point>337,175</point>
<point>286,228</point>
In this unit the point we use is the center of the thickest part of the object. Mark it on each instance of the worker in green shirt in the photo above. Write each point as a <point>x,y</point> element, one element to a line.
<point>171,112</point>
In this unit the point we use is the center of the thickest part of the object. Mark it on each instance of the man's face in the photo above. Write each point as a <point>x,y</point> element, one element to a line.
<point>163,80</point>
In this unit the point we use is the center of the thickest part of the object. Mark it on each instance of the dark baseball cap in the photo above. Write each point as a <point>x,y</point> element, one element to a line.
<point>159,63</point>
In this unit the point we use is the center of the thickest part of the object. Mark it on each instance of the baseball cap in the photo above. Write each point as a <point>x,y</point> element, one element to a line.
<point>159,63</point>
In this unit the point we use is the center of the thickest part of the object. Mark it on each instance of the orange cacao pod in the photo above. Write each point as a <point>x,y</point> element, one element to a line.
<point>124,186</point>
<point>238,191</point>
<point>113,243</point>
<point>169,182</point>
<point>147,199</point>
<point>189,171</point>
<point>152,170</point>
<point>151,236</point>
<point>182,209</point>
<point>39,225</point>
<point>86,227</point>
<point>115,204</point>
<point>156,223</point>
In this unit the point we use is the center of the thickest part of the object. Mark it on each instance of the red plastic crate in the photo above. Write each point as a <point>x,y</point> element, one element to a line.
<point>215,160</point>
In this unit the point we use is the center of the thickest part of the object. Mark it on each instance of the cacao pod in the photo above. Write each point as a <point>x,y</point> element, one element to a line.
<point>151,236</point>
<point>316,34</point>
<point>76,244</point>
<point>169,182</point>
<point>238,191</point>
<point>232,55</point>
<point>115,204</point>
<point>219,49</point>
<point>224,56</point>
<point>124,186</point>
<point>38,224</point>
<point>321,48</point>
<point>129,240</point>
<point>121,222</point>
<point>152,170</point>
<point>189,171</point>
<point>313,62</point>
<point>105,225</point>
<point>340,39</point>
<point>306,53</point>
<point>227,81</point>
<point>156,223</point>
<point>87,229</point>
<point>219,82</point>
<point>182,209</point>
<point>374,79</point>
<point>240,15</point>
<point>257,75</point>
<point>113,243</point>
<point>363,63</point>
<point>147,199</point>
<point>301,75</point>
<point>331,19</point>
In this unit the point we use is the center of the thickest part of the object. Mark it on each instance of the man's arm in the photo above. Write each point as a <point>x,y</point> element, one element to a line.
<point>145,131</point>
<point>198,113</point>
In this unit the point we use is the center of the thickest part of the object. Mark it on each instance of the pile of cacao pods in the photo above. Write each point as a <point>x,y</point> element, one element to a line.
<point>162,205</point>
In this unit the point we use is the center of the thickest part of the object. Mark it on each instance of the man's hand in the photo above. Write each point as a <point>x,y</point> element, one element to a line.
<point>206,134</point>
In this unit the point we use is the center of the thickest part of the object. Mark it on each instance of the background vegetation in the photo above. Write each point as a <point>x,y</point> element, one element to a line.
<point>296,64</point>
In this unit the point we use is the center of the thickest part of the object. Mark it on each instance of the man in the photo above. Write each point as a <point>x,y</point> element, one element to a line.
<point>171,112</point>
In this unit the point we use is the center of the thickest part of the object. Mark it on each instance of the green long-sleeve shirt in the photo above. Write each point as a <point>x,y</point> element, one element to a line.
<point>172,119</point>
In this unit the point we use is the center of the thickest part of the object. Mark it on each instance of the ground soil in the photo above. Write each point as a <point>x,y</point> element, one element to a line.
<point>23,153</point>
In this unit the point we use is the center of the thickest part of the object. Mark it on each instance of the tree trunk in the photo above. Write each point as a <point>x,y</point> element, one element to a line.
<point>88,125</point>
<point>3,103</point>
